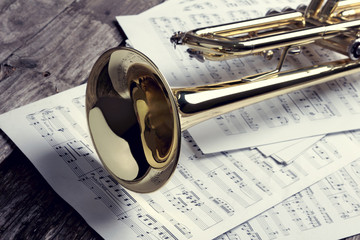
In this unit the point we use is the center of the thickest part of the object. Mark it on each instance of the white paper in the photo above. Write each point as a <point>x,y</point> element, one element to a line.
<point>208,194</point>
<point>220,177</point>
<point>53,134</point>
<point>328,210</point>
<point>287,152</point>
<point>312,111</point>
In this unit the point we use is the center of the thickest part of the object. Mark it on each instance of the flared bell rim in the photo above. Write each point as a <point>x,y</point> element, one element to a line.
<point>102,86</point>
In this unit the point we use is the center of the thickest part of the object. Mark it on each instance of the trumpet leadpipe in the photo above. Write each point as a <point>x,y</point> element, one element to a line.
<point>136,119</point>
<point>213,48</point>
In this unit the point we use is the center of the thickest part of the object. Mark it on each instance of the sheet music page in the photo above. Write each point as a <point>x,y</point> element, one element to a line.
<point>312,111</point>
<point>53,134</point>
<point>208,194</point>
<point>330,209</point>
<point>271,149</point>
<point>287,152</point>
<point>229,180</point>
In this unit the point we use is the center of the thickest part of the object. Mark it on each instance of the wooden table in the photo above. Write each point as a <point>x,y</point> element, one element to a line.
<point>47,47</point>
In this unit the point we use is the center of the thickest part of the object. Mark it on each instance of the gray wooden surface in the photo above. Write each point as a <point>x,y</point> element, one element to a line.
<point>46,47</point>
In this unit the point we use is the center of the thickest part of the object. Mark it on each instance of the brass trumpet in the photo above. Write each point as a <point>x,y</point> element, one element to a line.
<point>135,118</point>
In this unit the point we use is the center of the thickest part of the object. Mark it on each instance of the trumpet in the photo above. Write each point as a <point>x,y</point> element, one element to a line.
<point>135,119</point>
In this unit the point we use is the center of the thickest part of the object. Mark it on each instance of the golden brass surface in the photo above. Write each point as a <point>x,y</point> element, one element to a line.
<point>136,119</point>
<point>140,112</point>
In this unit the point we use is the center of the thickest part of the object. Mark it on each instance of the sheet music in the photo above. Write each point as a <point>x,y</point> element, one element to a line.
<point>225,178</point>
<point>207,195</point>
<point>323,211</point>
<point>328,209</point>
<point>53,134</point>
<point>287,152</point>
<point>271,149</point>
<point>312,111</point>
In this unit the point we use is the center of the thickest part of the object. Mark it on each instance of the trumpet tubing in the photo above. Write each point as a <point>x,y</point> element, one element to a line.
<point>136,119</point>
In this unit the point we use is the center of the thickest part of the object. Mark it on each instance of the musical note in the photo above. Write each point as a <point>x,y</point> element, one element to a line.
<point>52,124</point>
<point>79,103</point>
<point>263,186</point>
<point>247,230</point>
<point>208,191</point>
<point>334,187</point>
<point>183,229</point>
<point>156,229</point>
<point>271,114</point>
<point>187,202</point>
<point>300,213</point>
<point>287,104</point>
<point>250,120</point>
<point>67,114</point>
<point>229,124</point>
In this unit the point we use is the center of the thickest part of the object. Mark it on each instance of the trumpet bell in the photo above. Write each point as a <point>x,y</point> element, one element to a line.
<point>133,119</point>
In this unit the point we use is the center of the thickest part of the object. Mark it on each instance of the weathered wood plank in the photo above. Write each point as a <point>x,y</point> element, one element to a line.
<point>47,46</point>
<point>64,52</point>
<point>61,54</point>
<point>106,12</point>
<point>38,61</point>
<point>6,146</point>
<point>30,209</point>
<point>22,19</point>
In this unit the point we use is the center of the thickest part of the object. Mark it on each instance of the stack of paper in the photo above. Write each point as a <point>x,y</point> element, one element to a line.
<point>234,191</point>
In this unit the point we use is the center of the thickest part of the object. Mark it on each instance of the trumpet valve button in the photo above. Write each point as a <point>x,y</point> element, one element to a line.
<point>354,50</point>
<point>269,54</point>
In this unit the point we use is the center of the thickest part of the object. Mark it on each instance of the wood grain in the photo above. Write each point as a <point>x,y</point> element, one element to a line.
<point>48,47</point>
<point>21,20</point>
<point>30,209</point>
<point>51,47</point>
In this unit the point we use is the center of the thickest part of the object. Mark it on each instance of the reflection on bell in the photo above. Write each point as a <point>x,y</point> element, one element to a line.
<point>136,119</point>
<point>133,121</point>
